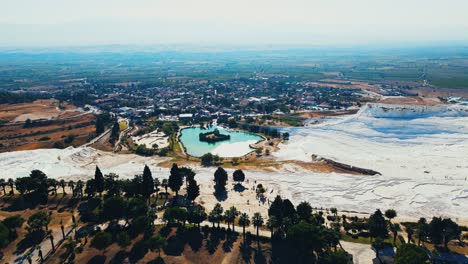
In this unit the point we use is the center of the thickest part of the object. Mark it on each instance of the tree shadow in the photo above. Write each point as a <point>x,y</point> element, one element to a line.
<point>99,259</point>
<point>138,251</point>
<point>194,238</point>
<point>29,200</point>
<point>158,260</point>
<point>259,257</point>
<point>59,202</point>
<point>213,242</point>
<point>87,210</point>
<point>72,202</point>
<point>119,257</point>
<point>450,257</point>
<point>30,240</point>
<point>175,246</point>
<point>246,251</point>
<point>221,195</point>
<point>281,251</point>
<point>229,242</point>
<point>165,231</point>
<point>239,188</point>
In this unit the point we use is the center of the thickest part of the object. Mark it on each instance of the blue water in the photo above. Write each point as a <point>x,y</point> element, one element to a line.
<point>194,147</point>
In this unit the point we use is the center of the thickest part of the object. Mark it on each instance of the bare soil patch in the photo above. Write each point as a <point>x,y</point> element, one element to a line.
<point>50,125</point>
<point>414,100</point>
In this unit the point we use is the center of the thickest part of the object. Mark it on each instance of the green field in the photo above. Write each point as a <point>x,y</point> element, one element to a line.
<point>458,83</point>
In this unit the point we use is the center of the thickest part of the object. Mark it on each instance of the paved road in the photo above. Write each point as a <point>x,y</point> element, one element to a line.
<point>118,146</point>
<point>98,138</point>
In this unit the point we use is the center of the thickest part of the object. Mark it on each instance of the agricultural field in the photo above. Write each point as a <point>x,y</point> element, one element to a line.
<point>44,124</point>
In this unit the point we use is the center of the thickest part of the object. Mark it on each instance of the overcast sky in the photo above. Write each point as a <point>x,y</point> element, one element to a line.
<point>248,22</point>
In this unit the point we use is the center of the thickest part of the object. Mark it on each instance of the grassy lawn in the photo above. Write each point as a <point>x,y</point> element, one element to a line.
<point>451,83</point>
<point>361,240</point>
<point>291,121</point>
<point>368,240</point>
<point>174,144</point>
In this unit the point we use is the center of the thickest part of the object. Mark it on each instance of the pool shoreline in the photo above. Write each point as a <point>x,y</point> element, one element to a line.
<point>183,147</point>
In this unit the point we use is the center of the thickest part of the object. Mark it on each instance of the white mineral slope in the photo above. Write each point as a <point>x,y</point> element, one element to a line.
<point>236,149</point>
<point>423,159</point>
<point>411,197</point>
<point>71,163</point>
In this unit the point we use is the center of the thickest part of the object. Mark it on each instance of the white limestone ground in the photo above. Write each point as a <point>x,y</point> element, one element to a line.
<point>151,138</point>
<point>236,149</point>
<point>423,160</point>
<point>71,163</point>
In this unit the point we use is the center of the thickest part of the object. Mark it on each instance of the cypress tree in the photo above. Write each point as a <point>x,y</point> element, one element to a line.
<point>148,183</point>
<point>99,181</point>
<point>175,179</point>
<point>193,190</point>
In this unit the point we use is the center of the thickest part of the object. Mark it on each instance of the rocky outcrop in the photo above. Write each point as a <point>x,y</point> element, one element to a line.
<point>345,167</point>
<point>380,110</point>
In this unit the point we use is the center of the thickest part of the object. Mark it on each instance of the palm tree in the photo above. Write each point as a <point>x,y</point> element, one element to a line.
<point>409,231</point>
<point>394,229</point>
<point>48,222</point>
<point>63,229</point>
<point>28,257</point>
<point>39,252</point>
<point>84,234</point>
<point>71,184</point>
<point>11,183</point>
<point>212,218</point>
<point>73,216</point>
<point>51,237</point>
<point>257,221</point>
<point>334,211</point>
<point>227,214</point>
<point>52,183</point>
<point>74,226</point>
<point>79,187</point>
<point>157,183</point>
<point>244,221</point>
<point>390,214</point>
<point>3,184</point>
<point>343,218</point>
<point>56,184</point>
<point>63,184</point>
<point>272,222</point>
<point>217,213</point>
<point>70,246</point>
<point>421,229</point>
<point>230,216</point>
<point>165,184</point>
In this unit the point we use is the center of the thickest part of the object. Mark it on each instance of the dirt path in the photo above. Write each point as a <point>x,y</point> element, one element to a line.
<point>46,245</point>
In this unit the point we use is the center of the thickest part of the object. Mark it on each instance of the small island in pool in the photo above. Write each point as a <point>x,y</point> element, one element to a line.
<point>213,136</point>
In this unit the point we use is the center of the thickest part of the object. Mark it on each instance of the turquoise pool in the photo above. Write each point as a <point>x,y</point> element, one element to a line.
<point>237,146</point>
